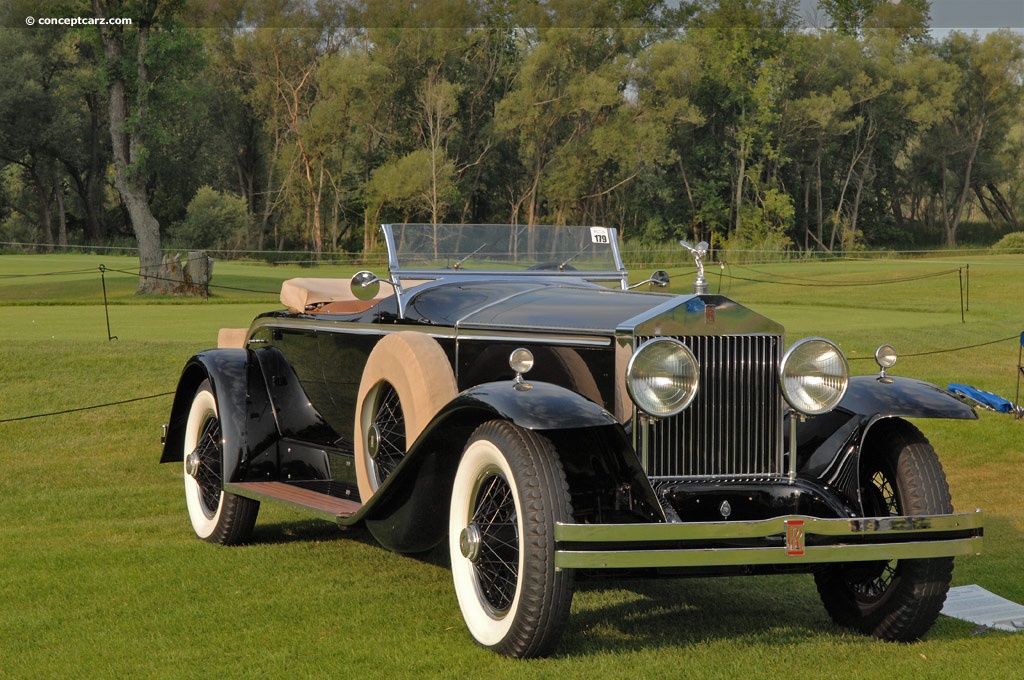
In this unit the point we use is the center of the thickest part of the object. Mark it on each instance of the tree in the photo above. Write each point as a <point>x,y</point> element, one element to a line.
<point>49,122</point>
<point>214,220</point>
<point>439,101</point>
<point>850,18</point>
<point>964,148</point>
<point>27,127</point>
<point>571,83</point>
<point>130,83</point>
<point>744,81</point>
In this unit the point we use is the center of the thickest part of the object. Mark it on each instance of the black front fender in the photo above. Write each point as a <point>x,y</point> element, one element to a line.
<point>902,397</point>
<point>408,512</point>
<point>533,406</point>
<point>829,445</point>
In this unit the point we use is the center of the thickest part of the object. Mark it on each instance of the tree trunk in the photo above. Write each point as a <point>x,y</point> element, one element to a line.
<point>741,175</point>
<point>93,180</point>
<point>819,203</point>
<point>62,218</point>
<point>197,272</point>
<point>128,147</point>
<point>952,222</point>
<point>858,194</point>
<point>983,204</point>
<point>45,214</point>
<point>1003,207</point>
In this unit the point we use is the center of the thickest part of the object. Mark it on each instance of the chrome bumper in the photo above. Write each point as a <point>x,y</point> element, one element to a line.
<point>789,540</point>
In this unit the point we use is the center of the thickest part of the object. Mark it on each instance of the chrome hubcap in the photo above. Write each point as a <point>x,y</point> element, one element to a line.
<point>469,543</point>
<point>192,464</point>
<point>373,441</point>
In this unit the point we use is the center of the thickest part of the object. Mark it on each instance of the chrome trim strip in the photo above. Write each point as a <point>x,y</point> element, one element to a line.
<point>735,557</point>
<point>504,336</point>
<point>916,529</point>
<point>322,326</point>
<point>763,528</point>
<point>599,275</point>
<point>769,478</point>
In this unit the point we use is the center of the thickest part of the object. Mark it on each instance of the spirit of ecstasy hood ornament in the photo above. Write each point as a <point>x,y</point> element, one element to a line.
<point>700,286</point>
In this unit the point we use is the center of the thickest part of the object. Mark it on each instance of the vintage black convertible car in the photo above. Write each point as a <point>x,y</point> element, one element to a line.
<point>505,388</point>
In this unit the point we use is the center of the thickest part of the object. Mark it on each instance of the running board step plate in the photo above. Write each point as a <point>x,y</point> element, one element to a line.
<point>329,507</point>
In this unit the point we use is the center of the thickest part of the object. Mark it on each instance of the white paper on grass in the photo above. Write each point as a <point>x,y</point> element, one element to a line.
<point>977,605</point>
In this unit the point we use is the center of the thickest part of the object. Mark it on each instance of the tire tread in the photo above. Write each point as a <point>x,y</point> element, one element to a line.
<point>546,593</point>
<point>918,591</point>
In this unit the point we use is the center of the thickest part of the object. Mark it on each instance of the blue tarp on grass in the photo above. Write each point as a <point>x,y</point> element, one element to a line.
<point>986,399</point>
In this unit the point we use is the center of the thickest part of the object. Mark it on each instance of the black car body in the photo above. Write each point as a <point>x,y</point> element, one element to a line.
<point>505,388</point>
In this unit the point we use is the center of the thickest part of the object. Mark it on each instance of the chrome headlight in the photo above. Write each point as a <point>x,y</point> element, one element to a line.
<point>814,376</point>
<point>662,377</point>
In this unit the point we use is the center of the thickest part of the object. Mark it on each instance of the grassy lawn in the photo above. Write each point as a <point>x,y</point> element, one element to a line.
<point>100,574</point>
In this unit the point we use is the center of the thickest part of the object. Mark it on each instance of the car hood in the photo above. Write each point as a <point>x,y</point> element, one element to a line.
<point>546,307</point>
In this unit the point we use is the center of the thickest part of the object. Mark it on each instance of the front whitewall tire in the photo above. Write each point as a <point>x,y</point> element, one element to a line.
<point>481,462</point>
<point>509,492</point>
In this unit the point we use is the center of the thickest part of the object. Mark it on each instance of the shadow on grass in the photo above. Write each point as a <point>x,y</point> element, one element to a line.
<point>611,615</point>
<point>643,614</point>
<point>316,531</point>
<point>308,530</point>
<point>775,612</point>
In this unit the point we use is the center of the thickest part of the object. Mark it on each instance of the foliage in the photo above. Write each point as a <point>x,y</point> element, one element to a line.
<point>1013,242</point>
<point>214,220</point>
<point>711,119</point>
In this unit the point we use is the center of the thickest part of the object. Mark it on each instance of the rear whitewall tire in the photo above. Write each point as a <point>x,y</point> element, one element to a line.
<point>216,516</point>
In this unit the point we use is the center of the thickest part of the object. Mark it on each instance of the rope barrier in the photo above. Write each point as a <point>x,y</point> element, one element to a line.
<point>809,283</point>
<point>209,285</point>
<point>84,408</point>
<point>796,281</point>
<point>165,394</point>
<point>960,349</point>
<point>64,273</point>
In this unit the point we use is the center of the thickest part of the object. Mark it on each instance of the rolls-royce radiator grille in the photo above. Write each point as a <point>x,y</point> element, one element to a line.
<point>733,428</point>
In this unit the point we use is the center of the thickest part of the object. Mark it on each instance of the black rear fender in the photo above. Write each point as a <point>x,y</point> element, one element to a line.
<point>248,426</point>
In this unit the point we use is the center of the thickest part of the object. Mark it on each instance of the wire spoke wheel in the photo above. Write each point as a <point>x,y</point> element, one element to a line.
<point>217,516</point>
<point>208,473</point>
<point>386,440</point>
<point>872,582</point>
<point>897,599</point>
<point>497,567</point>
<point>508,494</point>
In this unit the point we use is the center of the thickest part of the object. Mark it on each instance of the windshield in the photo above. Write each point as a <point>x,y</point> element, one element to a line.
<point>478,248</point>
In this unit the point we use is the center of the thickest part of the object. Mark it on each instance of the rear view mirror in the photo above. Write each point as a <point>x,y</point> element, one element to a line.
<point>365,285</point>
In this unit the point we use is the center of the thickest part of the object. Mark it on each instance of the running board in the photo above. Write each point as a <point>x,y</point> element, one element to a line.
<point>322,505</point>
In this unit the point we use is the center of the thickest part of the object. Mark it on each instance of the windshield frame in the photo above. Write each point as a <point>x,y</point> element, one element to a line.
<point>614,270</point>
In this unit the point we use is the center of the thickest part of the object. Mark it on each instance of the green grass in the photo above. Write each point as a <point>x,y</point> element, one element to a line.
<point>100,575</point>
